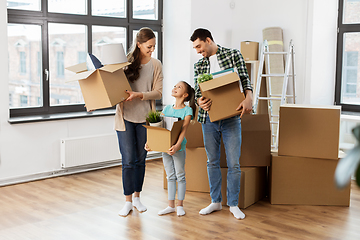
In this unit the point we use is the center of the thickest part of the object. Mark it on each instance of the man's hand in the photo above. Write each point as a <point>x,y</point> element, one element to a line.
<point>246,105</point>
<point>204,103</point>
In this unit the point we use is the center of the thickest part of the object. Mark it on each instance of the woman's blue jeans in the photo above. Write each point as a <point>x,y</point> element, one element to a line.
<point>230,131</point>
<point>131,144</point>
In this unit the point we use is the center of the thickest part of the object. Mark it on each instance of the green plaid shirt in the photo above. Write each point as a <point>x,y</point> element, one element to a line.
<point>227,58</point>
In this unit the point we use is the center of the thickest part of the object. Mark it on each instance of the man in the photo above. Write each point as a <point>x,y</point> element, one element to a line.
<point>216,58</point>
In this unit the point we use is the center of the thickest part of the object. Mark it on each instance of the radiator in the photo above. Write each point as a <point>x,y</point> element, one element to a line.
<point>89,150</point>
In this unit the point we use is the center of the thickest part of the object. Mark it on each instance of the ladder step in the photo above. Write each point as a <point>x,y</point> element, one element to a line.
<point>275,53</point>
<point>269,98</point>
<point>274,115</point>
<point>278,95</point>
<point>273,122</point>
<point>273,75</point>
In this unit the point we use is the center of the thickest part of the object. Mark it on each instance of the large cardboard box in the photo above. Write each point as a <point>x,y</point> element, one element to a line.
<point>309,131</point>
<point>195,170</point>
<point>305,181</point>
<point>249,50</point>
<point>225,93</point>
<point>253,185</point>
<point>161,139</point>
<point>255,143</point>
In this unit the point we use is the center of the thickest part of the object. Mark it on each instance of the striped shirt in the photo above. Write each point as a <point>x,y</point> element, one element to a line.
<point>227,58</point>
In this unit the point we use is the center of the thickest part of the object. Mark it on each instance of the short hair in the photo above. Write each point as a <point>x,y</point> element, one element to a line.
<point>202,34</point>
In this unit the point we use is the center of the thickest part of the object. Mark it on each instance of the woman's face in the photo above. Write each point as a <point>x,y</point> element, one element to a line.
<point>147,48</point>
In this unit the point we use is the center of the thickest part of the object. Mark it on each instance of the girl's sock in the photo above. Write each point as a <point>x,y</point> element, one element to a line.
<point>238,214</point>
<point>139,206</point>
<point>126,209</point>
<point>180,211</point>
<point>166,211</point>
<point>211,208</point>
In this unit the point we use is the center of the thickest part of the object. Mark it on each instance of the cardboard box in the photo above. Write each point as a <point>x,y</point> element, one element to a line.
<point>194,135</point>
<point>103,86</point>
<point>309,131</point>
<point>256,141</point>
<point>253,185</point>
<point>305,181</point>
<point>249,50</point>
<point>160,139</point>
<point>195,170</point>
<point>225,94</point>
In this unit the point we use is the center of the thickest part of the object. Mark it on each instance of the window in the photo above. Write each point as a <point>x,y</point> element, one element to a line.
<point>46,36</point>
<point>347,90</point>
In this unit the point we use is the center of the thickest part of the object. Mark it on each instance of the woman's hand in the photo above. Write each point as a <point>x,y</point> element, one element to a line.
<point>133,95</point>
<point>147,147</point>
<point>173,149</point>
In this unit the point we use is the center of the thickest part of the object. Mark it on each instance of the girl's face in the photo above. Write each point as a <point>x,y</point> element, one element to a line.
<point>147,48</point>
<point>179,90</point>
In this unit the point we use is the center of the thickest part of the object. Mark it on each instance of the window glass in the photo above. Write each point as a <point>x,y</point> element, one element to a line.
<point>108,8</point>
<point>68,6</point>
<point>104,35</point>
<point>33,5</point>
<point>65,43</point>
<point>24,43</point>
<point>350,69</point>
<point>351,11</point>
<point>145,9</point>
<point>155,53</point>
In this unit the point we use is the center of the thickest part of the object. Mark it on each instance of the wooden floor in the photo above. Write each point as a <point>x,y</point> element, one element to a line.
<point>85,206</point>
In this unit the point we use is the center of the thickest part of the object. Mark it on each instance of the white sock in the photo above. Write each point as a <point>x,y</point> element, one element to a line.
<point>238,214</point>
<point>126,209</point>
<point>139,206</point>
<point>180,211</point>
<point>211,208</point>
<point>166,211</point>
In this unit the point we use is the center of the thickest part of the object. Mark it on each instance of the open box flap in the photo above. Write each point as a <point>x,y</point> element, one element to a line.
<point>114,67</point>
<point>156,128</point>
<point>220,81</point>
<point>78,68</point>
<point>81,76</point>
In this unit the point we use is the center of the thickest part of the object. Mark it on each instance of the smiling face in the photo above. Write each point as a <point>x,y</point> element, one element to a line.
<point>179,90</point>
<point>204,48</point>
<point>147,48</point>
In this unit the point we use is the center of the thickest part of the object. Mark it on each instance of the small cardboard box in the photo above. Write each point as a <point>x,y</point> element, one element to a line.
<point>103,86</point>
<point>305,181</point>
<point>225,94</point>
<point>196,170</point>
<point>253,185</point>
<point>249,50</point>
<point>255,141</point>
<point>160,139</point>
<point>309,131</point>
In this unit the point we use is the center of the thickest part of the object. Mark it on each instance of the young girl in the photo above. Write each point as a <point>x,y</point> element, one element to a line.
<point>174,158</point>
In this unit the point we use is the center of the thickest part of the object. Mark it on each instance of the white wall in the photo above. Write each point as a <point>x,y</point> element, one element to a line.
<point>34,147</point>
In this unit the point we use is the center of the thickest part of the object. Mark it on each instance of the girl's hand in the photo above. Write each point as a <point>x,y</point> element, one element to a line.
<point>133,95</point>
<point>147,147</point>
<point>173,149</point>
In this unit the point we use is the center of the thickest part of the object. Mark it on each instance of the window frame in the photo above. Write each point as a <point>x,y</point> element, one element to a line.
<point>343,28</point>
<point>43,18</point>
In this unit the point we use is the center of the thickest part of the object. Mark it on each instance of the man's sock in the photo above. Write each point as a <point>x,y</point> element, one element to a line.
<point>139,206</point>
<point>180,211</point>
<point>211,208</point>
<point>238,214</point>
<point>126,209</point>
<point>166,211</point>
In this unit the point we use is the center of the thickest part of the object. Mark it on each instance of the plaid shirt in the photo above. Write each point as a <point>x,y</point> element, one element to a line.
<point>227,58</point>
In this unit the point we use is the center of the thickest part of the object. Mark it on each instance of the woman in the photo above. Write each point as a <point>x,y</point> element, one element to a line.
<point>145,78</point>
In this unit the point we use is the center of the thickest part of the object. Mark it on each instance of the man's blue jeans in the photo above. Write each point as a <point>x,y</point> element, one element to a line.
<point>131,144</point>
<point>230,130</point>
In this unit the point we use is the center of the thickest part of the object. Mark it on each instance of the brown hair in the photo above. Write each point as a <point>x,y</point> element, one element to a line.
<point>201,34</point>
<point>132,71</point>
<point>191,96</point>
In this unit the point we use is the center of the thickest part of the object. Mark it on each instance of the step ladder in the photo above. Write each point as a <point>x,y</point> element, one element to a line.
<point>289,72</point>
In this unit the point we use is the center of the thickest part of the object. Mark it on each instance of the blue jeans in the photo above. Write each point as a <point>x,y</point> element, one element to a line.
<point>175,171</point>
<point>230,130</point>
<point>131,144</point>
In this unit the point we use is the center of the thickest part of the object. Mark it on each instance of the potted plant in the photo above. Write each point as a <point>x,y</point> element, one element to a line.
<point>204,77</point>
<point>154,118</point>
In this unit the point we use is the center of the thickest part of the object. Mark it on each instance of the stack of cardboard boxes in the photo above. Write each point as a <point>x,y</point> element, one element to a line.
<point>303,170</point>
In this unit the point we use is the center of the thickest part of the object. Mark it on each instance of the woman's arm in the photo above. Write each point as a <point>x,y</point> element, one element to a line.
<point>176,147</point>
<point>156,92</point>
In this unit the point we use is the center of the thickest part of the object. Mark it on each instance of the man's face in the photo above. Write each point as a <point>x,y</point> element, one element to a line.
<point>202,47</point>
